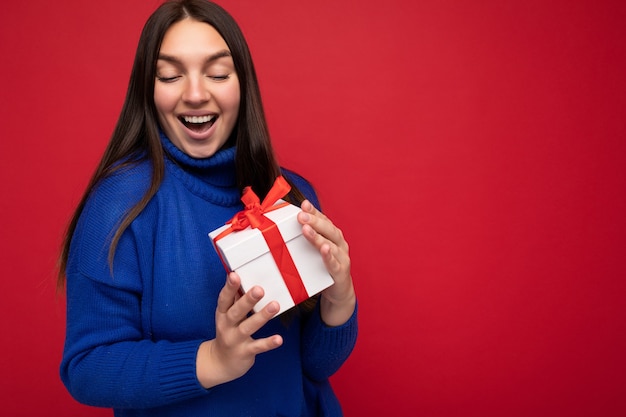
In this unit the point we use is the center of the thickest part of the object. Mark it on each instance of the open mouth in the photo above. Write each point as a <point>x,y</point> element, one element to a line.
<point>198,123</point>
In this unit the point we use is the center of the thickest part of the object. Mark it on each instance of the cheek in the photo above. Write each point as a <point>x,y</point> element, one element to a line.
<point>164,100</point>
<point>233,100</point>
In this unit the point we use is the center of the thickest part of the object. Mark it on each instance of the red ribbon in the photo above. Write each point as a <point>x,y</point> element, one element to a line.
<point>254,216</point>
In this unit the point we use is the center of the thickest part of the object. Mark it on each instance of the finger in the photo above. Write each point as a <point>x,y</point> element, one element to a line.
<point>309,208</point>
<point>336,261</point>
<point>266,344</point>
<point>253,323</point>
<point>228,294</point>
<point>327,238</point>
<point>322,226</point>
<point>340,251</point>
<point>240,308</point>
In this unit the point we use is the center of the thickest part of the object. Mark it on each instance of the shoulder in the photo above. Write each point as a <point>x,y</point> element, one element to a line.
<point>117,193</point>
<point>106,205</point>
<point>302,184</point>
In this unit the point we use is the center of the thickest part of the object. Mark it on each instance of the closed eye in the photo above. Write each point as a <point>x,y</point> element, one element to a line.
<point>168,79</point>
<point>219,77</point>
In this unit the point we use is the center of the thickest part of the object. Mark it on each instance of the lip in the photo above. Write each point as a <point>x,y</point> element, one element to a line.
<point>192,134</point>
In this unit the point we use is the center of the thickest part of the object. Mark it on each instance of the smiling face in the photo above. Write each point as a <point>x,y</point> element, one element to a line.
<point>196,90</point>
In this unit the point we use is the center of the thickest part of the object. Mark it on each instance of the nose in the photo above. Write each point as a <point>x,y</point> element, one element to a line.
<point>196,91</point>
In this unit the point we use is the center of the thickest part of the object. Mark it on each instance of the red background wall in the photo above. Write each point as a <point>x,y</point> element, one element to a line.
<point>473,153</point>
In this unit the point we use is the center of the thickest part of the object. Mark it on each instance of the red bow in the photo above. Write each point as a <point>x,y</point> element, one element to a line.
<point>253,215</point>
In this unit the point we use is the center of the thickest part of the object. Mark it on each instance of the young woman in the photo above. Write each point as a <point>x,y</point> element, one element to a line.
<point>154,325</point>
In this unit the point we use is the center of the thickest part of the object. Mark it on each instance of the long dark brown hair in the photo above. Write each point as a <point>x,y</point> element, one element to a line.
<point>136,135</point>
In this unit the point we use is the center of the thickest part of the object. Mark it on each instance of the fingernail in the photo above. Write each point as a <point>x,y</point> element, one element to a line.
<point>256,293</point>
<point>272,307</point>
<point>305,217</point>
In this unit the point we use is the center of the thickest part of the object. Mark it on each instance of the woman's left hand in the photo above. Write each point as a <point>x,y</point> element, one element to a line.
<point>337,301</point>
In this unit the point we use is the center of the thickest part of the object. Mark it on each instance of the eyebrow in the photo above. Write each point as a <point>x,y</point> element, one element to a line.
<point>213,57</point>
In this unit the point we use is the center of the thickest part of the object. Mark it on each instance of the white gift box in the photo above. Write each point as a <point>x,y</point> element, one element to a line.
<point>247,253</point>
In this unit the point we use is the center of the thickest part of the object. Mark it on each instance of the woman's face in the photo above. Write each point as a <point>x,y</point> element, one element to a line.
<point>196,90</point>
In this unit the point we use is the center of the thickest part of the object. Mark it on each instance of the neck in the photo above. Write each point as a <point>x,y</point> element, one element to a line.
<point>217,169</point>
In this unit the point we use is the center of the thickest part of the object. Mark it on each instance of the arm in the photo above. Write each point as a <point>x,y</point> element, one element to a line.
<point>110,359</point>
<point>108,362</point>
<point>330,333</point>
<point>324,348</point>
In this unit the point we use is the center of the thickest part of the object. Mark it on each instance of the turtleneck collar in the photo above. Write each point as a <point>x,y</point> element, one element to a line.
<point>212,178</point>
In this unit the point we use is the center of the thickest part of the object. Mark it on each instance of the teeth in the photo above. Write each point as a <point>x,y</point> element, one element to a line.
<point>196,119</point>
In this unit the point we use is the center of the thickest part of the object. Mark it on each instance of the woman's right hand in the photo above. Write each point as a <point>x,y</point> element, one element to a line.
<point>232,353</point>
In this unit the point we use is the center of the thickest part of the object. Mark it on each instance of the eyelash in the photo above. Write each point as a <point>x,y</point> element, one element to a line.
<point>167,79</point>
<point>213,77</point>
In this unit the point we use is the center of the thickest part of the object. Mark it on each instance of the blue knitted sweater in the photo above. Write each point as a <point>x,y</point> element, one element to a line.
<point>133,332</point>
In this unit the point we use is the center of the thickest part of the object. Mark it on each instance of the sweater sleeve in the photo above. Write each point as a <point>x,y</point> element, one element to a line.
<point>109,359</point>
<point>325,348</point>
<point>106,361</point>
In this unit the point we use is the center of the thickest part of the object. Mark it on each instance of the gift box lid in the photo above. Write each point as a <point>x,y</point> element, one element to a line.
<point>240,247</point>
